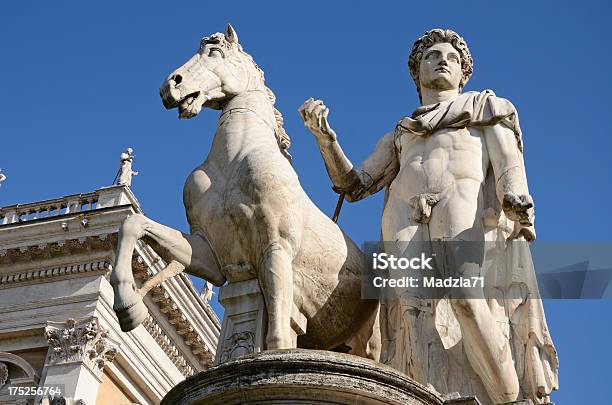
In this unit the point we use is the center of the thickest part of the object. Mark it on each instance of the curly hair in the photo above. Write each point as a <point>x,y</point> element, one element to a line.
<point>433,37</point>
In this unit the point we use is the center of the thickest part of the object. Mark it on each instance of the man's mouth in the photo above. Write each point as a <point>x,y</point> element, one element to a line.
<point>442,70</point>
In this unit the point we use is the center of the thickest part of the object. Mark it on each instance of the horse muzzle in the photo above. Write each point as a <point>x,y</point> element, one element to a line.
<point>170,95</point>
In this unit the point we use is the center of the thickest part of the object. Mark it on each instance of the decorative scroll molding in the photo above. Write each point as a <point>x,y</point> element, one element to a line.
<point>168,307</point>
<point>3,374</point>
<point>238,344</point>
<point>30,275</point>
<point>22,372</point>
<point>168,346</point>
<point>66,401</point>
<point>83,341</point>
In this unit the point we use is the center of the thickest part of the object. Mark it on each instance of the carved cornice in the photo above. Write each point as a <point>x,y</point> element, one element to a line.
<point>80,341</point>
<point>174,315</point>
<point>64,270</point>
<point>65,247</point>
<point>168,346</point>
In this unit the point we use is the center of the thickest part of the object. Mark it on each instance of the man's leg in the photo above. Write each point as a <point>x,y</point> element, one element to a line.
<point>487,349</point>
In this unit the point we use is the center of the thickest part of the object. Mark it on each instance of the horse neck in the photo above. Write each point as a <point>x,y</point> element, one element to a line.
<point>255,101</point>
<point>246,124</point>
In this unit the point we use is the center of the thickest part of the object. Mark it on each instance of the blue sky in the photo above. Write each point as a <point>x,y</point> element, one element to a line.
<point>80,83</point>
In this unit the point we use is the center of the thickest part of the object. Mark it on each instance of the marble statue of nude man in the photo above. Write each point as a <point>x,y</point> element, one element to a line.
<point>435,166</point>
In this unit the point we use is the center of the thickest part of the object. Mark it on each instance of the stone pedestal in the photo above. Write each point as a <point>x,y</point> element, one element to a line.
<point>244,321</point>
<point>299,376</point>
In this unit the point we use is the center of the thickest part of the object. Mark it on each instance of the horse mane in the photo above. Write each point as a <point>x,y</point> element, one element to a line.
<point>282,137</point>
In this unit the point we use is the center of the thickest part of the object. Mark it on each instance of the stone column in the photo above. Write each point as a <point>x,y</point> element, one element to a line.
<point>78,352</point>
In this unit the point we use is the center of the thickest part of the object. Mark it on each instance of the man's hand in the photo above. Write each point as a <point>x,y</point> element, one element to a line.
<point>314,113</point>
<point>519,208</point>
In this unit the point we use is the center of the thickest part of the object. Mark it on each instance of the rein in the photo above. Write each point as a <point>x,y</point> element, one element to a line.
<point>244,109</point>
<point>252,111</point>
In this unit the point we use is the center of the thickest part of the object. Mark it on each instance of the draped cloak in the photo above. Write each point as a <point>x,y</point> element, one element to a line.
<point>433,336</point>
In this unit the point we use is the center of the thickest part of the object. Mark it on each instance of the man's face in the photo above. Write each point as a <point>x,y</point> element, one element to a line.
<point>440,67</point>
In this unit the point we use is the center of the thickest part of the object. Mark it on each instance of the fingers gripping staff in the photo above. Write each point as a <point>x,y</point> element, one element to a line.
<point>314,114</point>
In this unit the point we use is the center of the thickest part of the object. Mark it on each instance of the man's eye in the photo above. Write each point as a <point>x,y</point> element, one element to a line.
<point>453,58</point>
<point>215,53</point>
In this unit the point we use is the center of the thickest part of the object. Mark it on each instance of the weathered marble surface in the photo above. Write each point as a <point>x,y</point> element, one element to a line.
<point>301,377</point>
<point>298,376</point>
<point>454,171</point>
<point>249,217</point>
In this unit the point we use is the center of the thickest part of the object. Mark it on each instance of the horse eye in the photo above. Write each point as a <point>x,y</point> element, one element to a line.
<point>215,53</point>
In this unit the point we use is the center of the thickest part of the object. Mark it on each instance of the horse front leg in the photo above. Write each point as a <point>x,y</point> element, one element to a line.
<point>128,304</point>
<point>276,278</point>
<point>191,253</point>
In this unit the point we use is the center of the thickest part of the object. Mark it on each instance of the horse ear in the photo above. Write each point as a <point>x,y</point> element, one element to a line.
<point>231,35</point>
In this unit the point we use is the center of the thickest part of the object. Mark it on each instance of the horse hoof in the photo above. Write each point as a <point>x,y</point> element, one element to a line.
<point>133,316</point>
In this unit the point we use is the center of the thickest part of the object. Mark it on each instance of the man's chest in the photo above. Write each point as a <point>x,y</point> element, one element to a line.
<point>450,145</point>
<point>437,161</point>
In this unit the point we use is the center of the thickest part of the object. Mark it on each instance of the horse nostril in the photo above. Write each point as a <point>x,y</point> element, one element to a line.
<point>177,79</point>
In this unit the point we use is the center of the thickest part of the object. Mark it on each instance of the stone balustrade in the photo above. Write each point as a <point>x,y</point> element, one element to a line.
<point>102,198</point>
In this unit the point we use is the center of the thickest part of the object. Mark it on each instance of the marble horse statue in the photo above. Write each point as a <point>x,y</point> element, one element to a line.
<point>249,216</point>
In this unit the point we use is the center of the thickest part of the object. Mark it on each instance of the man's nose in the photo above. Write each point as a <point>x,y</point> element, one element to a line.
<point>443,62</point>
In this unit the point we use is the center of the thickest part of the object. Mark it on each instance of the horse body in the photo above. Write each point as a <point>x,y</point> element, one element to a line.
<point>250,217</point>
<point>255,200</point>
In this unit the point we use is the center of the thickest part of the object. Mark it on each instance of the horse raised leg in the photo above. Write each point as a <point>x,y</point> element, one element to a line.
<point>191,253</point>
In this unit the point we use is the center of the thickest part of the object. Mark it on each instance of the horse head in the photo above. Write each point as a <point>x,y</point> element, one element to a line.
<point>219,71</point>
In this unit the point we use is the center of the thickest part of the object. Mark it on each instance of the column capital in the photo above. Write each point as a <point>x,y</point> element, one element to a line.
<point>82,341</point>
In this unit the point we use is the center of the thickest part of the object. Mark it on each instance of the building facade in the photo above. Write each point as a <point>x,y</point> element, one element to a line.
<point>58,331</point>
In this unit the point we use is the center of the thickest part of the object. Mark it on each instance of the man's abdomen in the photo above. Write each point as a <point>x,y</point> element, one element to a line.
<point>449,167</point>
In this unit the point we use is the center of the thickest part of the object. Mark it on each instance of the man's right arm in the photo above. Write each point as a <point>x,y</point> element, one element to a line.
<point>378,170</point>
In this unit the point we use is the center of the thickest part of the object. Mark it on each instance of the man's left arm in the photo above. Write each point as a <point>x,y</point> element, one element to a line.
<point>511,183</point>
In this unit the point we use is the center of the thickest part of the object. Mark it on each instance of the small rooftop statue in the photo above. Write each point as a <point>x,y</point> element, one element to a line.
<point>2,177</point>
<point>124,176</point>
<point>207,292</point>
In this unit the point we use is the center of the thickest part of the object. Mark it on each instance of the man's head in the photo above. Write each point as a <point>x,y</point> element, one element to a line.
<point>441,60</point>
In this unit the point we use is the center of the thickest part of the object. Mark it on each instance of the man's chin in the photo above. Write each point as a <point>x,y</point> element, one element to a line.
<point>441,83</point>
